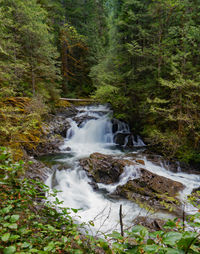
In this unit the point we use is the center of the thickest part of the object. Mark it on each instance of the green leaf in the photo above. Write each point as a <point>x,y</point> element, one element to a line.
<point>49,247</point>
<point>25,245</point>
<point>171,238</point>
<point>186,240</point>
<point>91,223</point>
<point>24,231</point>
<point>5,237</point>
<point>13,226</point>
<point>65,239</point>
<point>116,235</point>
<point>34,250</point>
<point>134,250</point>
<point>78,252</point>
<point>14,237</point>
<point>172,251</point>
<point>151,248</point>
<point>150,241</point>
<point>139,231</point>
<point>7,209</point>
<point>51,228</point>
<point>2,157</point>
<point>74,210</point>
<point>14,218</point>
<point>118,246</point>
<point>9,250</point>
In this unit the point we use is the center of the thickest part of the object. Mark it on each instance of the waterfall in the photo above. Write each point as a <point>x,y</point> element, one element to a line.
<point>92,130</point>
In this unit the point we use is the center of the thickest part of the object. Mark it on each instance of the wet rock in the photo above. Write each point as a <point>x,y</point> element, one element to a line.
<point>154,191</point>
<point>94,185</point>
<point>114,125</point>
<point>104,168</point>
<point>54,129</point>
<point>54,181</point>
<point>49,146</point>
<point>67,112</point>
<point>58,125</point>
<point>151,223</point>
<point>38,171</point>
<point>150,190</point>
<point>83,119</point>
<point>196,196</point>
<point>140,161</point>
<point>67,149</point>
<point>123,139</point>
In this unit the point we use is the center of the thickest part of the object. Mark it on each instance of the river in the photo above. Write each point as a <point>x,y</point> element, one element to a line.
<point>94,131</point>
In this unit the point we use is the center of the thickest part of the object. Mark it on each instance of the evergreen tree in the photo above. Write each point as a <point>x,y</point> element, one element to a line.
<point>31,54</point>
<point>151,70</point>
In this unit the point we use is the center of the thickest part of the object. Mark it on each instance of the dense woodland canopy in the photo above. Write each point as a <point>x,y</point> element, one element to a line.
<point>142,56</point>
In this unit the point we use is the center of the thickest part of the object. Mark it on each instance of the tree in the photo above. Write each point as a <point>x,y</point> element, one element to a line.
<point>31,51</point>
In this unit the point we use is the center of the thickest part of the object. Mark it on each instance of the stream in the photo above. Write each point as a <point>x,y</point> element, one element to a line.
<point>94,131</point>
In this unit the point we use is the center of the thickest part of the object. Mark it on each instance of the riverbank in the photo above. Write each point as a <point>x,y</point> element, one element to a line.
<point>55,129</point>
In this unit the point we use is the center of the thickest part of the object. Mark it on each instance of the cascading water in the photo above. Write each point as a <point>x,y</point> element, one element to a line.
<point>93,132</point>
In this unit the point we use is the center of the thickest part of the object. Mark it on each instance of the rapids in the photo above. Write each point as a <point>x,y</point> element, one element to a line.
<point>95,133</point>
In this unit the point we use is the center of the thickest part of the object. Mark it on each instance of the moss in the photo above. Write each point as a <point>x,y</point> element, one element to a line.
<point>21,124</point>
<point>63,103</point>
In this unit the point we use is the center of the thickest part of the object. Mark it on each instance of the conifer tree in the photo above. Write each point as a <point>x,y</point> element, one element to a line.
<point>32,56</point>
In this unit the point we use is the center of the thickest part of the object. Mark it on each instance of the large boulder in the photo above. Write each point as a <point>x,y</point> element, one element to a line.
<point>123,139</point>
<point>104,168</point>
<point>81,120</point>
<point>153,191</point>
<point>149,190</point>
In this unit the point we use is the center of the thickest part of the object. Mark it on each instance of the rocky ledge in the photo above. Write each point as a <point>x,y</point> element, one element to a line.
<point>54,129</point>
<point>148,189</point>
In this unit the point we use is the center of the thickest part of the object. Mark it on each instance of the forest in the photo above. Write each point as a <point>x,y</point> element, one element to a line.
<point>141,57</point>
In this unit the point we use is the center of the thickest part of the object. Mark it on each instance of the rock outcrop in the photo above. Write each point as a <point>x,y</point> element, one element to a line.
<point>153,224</point>
<point>148,189</point>
<point>54,129</point>
<point>104,168</point>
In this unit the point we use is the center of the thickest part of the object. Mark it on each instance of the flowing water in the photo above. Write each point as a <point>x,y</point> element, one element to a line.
<point>95,132</point>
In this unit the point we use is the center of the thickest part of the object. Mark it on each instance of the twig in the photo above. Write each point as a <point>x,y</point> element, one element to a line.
<point>121,222</point>
<point>184,217</point>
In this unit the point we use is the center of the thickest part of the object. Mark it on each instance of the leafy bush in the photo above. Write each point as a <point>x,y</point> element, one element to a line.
<point>29,226</point>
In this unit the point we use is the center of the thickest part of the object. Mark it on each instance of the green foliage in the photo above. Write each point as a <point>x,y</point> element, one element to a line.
<point>29,59</point>
<point>140,240</point>
<point>21,123</point>
<point>152,60</point>
<point>28,225</point>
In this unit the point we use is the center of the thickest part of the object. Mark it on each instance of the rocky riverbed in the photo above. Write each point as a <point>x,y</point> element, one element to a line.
<point>123,176</point>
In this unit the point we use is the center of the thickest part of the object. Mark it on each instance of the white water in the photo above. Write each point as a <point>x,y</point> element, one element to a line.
<point>95,135</point>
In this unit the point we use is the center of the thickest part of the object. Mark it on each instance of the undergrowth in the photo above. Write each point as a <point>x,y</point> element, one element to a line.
<point>30,224</point>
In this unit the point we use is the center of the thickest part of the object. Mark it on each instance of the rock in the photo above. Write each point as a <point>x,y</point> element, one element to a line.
<point>150,190</point>
<point>114,125</point>
<point>123,138</point>
<point>153,191</point>
<point>58,125</point>
<point>151,223</point>
<point>67,111</point>
<point>38,171</point>
<point>48,146</point>
<point>140,161</point>
<point>67,149</point>
<point>104,168</point>
<point>196,196</point>
<point>54,129</point>
<point>83,119</point>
